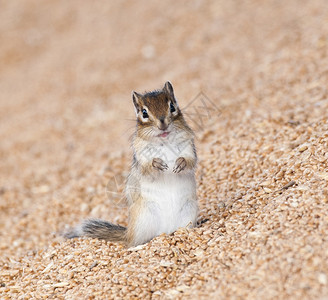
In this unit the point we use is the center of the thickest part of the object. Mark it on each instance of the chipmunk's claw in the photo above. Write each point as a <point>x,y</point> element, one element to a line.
<point>159,164</point>
<point>180,164</point>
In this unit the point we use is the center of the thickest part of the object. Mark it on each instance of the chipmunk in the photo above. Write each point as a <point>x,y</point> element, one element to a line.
<point>161,187</point>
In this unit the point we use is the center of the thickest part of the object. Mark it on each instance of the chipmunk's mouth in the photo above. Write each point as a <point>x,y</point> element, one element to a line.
<point>164,134</point>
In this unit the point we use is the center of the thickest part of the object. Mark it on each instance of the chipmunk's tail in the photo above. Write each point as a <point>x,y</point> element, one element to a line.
<point>98,229</point>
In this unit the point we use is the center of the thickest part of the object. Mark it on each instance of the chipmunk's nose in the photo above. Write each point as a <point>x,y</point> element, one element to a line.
<point>162,125</point>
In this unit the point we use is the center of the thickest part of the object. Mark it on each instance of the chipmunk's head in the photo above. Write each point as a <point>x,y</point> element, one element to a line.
<point>156,111</point>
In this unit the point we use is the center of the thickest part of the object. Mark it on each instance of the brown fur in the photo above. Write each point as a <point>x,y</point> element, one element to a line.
<point>135,210</point>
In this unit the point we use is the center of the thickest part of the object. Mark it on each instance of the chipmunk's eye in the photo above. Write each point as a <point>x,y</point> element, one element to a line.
<point>172,108</point>
<point>144,114</point>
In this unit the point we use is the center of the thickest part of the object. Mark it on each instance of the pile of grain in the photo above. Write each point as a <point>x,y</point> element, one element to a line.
<point>66,115</point>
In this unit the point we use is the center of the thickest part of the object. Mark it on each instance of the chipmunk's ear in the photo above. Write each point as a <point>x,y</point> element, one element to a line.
<point>136,101</point>
<point>168,89</point>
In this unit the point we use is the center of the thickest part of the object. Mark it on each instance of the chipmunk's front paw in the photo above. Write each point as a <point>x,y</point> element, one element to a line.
<point>159,164</point>
<point>180,164</point>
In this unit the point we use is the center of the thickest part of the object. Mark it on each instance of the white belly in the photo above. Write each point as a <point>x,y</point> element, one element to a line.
<point>168,199</point>
<point>170,203</point>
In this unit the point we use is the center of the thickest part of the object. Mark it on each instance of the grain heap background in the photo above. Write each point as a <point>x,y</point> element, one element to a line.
<point>67,70</point>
